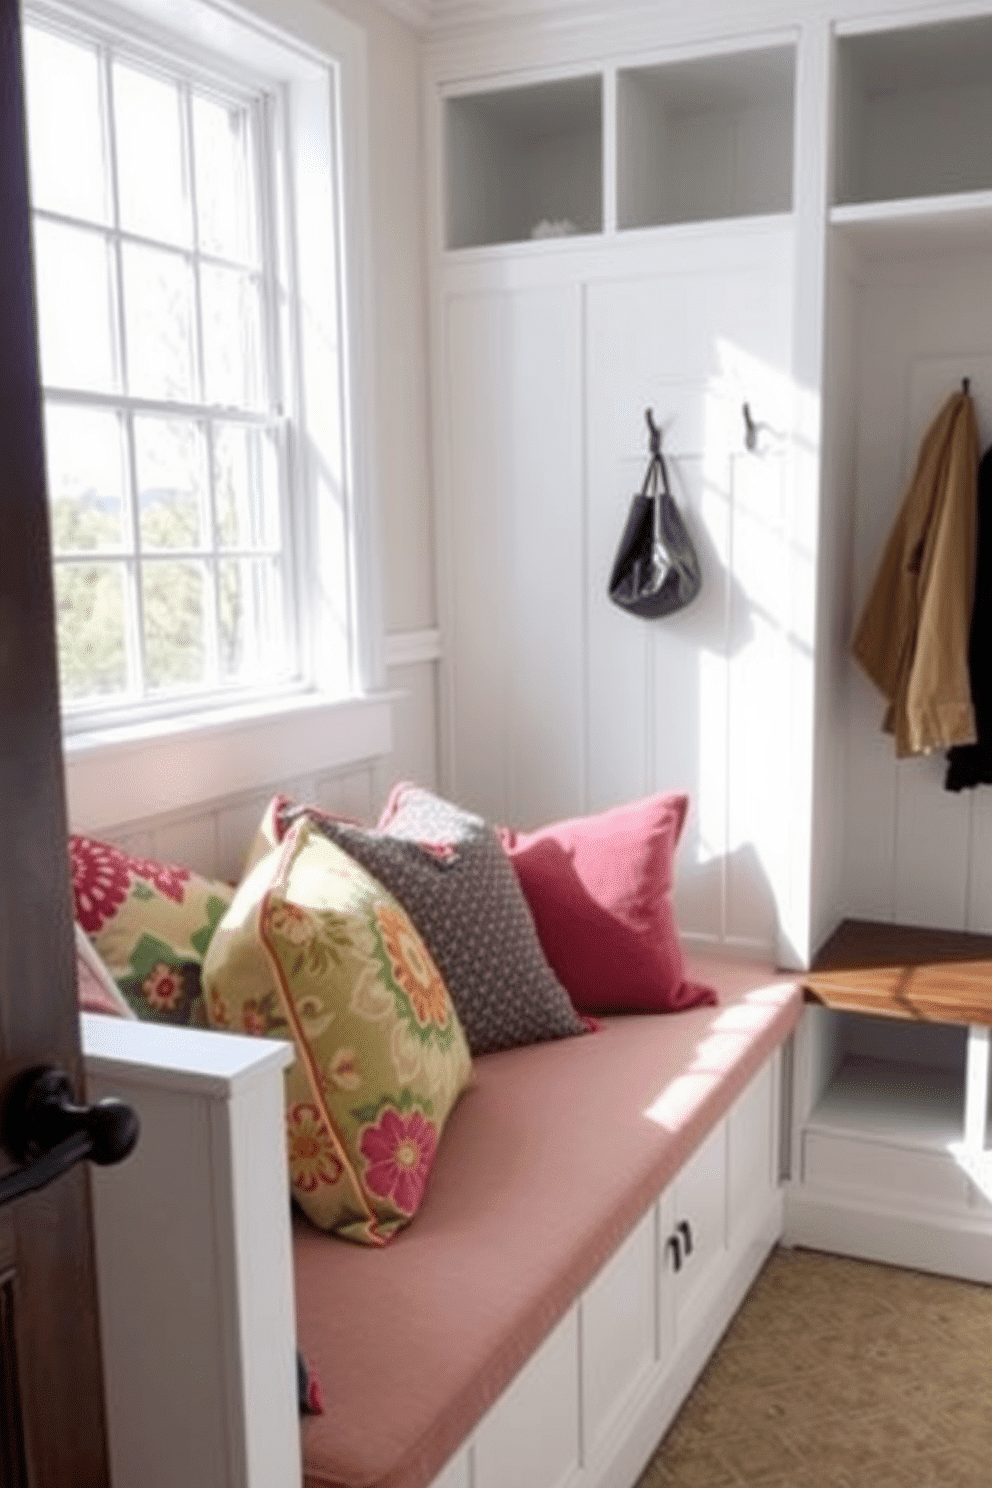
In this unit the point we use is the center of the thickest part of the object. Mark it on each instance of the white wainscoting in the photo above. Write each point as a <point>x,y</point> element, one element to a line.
<point>210,827</point>
<point>555,702</point>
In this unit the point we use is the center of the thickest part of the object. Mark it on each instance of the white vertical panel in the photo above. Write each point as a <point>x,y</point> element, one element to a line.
<point>531,1435</point>
<point>348,794</point>
<point>750,1148</point>
<point>667,1277</point>
<point>618,1331</point>
<point>980,877</point>
<point>248,1152</point>
<point>931,846</point>
<point>478,368</point>
<point>415,717</point>
<point>617,645</point>
<point>515,501</point>
<point>870,826</point>
<point>192,842</point>
<point>650,726</point>
<point>694,346</point>
<point>545,511</point>
<point>194,1260</point>
<point>237,823</point>
<point>695,759</point>
<point>759,732</point>
<point>701,1202</point>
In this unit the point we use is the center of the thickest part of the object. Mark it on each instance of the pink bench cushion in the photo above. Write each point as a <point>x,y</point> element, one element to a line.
<point>547,1163</point>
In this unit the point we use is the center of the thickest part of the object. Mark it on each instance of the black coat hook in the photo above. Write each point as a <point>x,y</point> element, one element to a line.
<point>654,432</point>
<point>750,428</point>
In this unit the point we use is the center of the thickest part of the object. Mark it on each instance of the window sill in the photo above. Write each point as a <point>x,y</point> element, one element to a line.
<point>135,773</point>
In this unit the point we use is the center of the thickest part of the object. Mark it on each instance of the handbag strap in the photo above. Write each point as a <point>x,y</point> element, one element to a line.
<point>656,476</point>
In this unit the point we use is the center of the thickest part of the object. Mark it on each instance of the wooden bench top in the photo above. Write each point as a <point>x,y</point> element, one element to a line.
<point>902,971</point>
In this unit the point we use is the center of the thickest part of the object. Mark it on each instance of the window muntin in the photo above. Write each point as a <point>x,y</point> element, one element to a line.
<point>160,340</point>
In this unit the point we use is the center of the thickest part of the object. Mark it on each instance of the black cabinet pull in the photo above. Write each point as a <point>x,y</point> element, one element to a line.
<point>685,1231</point>
<point>674,1244</point>
<point>47,1133</point>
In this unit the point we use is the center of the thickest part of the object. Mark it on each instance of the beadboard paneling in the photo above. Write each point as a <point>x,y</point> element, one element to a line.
<point>213,835</point>
<point>559,702</point>
<point>914,853</point>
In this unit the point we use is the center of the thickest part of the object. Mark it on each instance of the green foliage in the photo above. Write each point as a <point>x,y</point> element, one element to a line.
<point>90,599</point>
<point>89,608</point>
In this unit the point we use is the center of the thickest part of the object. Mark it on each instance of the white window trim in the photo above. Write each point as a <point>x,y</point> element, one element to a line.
<point>144,770</point>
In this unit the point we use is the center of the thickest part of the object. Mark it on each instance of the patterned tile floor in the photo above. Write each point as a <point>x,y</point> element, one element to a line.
<point>841,1374</point>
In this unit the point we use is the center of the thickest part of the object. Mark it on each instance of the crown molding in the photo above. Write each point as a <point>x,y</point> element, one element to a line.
<point>417,14</point>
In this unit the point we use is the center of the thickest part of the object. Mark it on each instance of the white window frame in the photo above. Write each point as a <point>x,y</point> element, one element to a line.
<point>129,772</point>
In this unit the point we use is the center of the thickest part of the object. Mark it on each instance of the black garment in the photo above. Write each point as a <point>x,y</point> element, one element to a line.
<point>971,764</point>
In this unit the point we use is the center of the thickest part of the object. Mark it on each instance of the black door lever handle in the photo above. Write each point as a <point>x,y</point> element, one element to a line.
<point>46,1132</point>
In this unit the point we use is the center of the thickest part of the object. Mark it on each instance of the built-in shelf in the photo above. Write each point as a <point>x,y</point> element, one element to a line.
<point>913,112</point>
<point>920,1105</point>
<point>905,972</point>
<point>918,226</point>
<point>524,162</point>
<point>705,139</point>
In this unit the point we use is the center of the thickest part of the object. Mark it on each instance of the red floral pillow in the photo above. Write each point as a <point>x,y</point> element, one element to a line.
<point>598,888</point>
<point>96,988</point>
<point>150,923</point>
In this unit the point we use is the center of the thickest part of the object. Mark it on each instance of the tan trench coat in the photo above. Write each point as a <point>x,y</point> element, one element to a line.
<point>912,639</point>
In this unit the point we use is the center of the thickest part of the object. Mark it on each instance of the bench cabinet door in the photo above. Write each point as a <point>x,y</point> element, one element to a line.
<point>531,1434</point>
<point>619,1333</point>
<point>695,1242</point>
<point>752,1151</point>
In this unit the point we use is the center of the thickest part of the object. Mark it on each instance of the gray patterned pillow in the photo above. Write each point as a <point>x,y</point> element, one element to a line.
<point>448,870</point>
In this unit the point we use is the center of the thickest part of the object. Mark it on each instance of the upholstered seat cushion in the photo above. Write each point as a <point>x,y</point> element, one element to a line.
<point>547,1163</point>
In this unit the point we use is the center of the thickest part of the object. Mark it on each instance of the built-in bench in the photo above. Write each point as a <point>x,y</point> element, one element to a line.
<point>598,1208</point>
<point>597,1211</point>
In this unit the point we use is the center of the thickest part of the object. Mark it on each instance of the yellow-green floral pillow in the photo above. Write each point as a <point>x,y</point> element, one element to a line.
<point>315,950</point>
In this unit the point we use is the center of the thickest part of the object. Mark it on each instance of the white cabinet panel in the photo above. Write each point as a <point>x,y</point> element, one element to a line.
<point>531,1435</point>
<point>700,1203</point>
<point>618,1331</point>
<point>194,1260</point>
<point>514,496</point>
<point>751,1149</point>
<point>879,1171</point>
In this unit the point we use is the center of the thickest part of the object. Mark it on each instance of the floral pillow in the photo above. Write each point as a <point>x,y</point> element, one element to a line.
<point>96,988</point>
<point>315,950</point>
<point>446,867</point>
<point>150,924</point>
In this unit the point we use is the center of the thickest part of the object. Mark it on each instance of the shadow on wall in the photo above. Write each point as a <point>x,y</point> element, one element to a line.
<point>738,883</point>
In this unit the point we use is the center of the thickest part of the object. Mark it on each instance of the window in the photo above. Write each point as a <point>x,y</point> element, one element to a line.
<point>202,458</point>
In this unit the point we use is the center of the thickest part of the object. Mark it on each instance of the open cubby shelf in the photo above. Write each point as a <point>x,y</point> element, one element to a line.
<point>704,139</point>
<point>913,110</point>
<point>922,1104</point>
<point>712,137</point>
<point>525,162</point>
<point>697,140</point>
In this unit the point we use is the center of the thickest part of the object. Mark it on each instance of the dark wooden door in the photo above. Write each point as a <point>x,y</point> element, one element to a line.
<point>51,1392</point>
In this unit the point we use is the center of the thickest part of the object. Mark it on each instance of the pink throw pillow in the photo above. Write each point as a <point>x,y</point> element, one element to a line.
<point>598,888</point>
